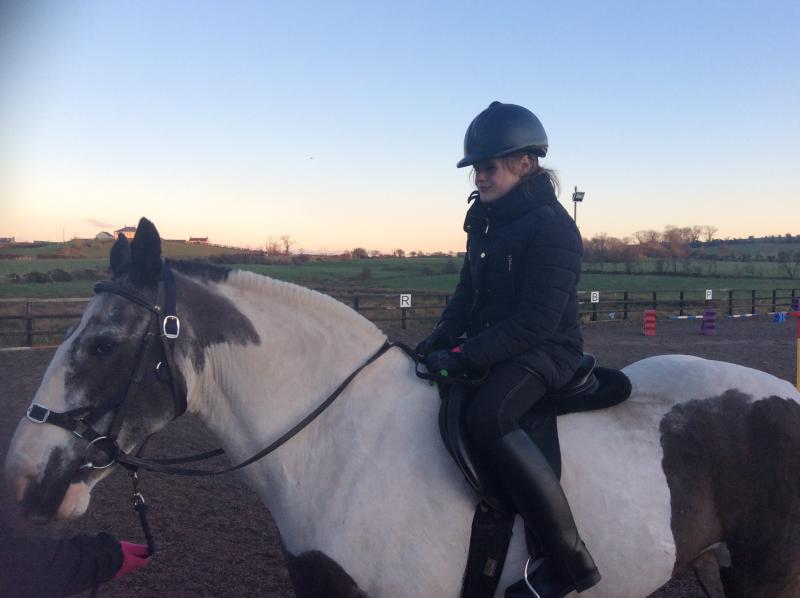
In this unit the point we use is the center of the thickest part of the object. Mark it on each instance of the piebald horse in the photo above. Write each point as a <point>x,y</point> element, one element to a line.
<point>701,461</point>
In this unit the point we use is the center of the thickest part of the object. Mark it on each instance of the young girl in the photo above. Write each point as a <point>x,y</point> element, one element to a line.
<point>516,300</point>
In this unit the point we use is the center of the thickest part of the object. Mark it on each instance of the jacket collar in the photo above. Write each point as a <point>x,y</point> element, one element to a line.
<point>513,204</point>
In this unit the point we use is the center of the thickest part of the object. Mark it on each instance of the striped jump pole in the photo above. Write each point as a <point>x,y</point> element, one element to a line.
<point>796,314</point>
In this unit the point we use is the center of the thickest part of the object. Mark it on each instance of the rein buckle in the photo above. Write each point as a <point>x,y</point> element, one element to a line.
<point>37,413</point>
<point>176,324</point>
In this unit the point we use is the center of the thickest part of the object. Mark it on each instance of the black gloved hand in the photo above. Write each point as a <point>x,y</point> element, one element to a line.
<point>446,364</point>
<point>440,338</point>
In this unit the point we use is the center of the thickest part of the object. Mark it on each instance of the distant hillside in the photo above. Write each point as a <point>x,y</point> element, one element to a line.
<point>94,249</point>
<point>752,247</point>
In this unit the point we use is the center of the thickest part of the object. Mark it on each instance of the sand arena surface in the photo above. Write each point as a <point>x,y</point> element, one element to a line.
<point>214,536</point>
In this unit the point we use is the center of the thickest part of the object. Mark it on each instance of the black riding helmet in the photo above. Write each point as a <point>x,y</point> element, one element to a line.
<point>500,130</point>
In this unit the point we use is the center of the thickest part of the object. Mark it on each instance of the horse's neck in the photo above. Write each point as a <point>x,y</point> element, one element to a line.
<point>249,394</point>
<point>372,461</point>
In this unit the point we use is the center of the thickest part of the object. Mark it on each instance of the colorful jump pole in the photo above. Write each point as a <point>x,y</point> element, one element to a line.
<point>796,314</point>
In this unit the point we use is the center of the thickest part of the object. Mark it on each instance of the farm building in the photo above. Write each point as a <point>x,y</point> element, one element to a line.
<point>128,231</point>
<point>198,240</point>
<point>103,236</point>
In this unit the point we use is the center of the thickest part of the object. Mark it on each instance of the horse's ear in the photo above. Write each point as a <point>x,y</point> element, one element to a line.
<point>120,257</point>
<point>145,267</point>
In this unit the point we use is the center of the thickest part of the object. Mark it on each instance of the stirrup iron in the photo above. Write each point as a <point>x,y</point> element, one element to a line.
<point>525,575</point>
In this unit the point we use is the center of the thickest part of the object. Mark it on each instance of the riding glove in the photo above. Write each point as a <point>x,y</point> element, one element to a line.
<point>449,364</point>
<point>441,338</point>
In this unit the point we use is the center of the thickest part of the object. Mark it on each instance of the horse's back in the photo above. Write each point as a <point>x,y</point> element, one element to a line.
<point>627,470</point>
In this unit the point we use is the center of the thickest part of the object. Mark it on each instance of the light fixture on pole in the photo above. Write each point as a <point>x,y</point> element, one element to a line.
<point>576,197</point>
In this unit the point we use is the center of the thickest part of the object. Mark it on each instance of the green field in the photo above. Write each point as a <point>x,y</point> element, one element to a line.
<point>696,268</point>
<point>401,274</point>
<point>98,250</point>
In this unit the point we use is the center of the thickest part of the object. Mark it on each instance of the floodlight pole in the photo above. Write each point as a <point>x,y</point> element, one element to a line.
<point>576,197</point>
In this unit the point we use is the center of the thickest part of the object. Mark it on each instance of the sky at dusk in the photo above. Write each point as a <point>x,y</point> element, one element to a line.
<point>340,123</point>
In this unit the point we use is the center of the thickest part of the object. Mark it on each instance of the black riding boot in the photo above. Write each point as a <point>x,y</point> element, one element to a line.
<point>536,493</point>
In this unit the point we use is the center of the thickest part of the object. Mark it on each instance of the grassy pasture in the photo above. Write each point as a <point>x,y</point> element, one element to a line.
<point>400,274</point>
<point>98,250</point>
<point>696,268</point>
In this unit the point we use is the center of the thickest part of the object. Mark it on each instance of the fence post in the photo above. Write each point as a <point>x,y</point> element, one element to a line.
<point>753,301</point>
<point>730,302</point>
<point>625,305</point>
<point>403,317</point>
<point>356,303</point>
<point>681,304</point>
<point>774,300</point>
<point>28,324</point>
<point>655,301</point>
<point>594,312</point>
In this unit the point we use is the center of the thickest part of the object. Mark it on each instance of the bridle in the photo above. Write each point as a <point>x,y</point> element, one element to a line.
<point>165,326</point>
<point>82,422</point>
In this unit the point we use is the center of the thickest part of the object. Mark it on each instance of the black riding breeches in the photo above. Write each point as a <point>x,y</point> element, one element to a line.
<point>508,393</point>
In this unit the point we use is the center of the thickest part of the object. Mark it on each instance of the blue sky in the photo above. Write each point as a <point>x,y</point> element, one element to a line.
<point>340,123</point>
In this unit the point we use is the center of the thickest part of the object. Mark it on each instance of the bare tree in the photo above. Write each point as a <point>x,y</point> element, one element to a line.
<point>790,263</point>
<point>359,253</point>
<point>287,242</point>
<point>398,253</point>
<point>709,232</point>
<point>374,253</point>
<point>647,236</point>
<point>272,247</point>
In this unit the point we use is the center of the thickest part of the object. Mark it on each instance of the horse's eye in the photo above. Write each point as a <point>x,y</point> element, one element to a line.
<point>102,348</point>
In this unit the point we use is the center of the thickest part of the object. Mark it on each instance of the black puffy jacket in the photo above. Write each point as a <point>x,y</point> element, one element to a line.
<point>517,295</point>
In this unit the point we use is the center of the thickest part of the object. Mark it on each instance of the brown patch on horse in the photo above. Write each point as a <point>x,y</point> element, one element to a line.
<point>210,318</point>
<point>316,575</point>
<point>732,465</point>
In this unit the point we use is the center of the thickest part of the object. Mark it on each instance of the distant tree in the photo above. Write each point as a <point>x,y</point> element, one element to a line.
<point>647,236</point>
<point>287,242</point>
<point>374,253</point>
<point>709,232</point>
<point>273,247</point>
<point>790,263</point>
<point>398,253</point>
<point>359,253</point>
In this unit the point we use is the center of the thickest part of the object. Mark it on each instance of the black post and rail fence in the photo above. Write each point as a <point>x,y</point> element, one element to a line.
<point>42,322</point>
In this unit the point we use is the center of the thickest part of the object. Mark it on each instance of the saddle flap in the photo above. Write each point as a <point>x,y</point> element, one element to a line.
<point>451,426</point>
